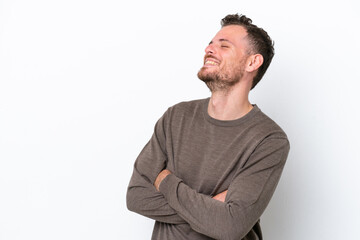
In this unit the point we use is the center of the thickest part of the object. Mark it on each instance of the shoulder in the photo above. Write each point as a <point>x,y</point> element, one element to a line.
<point>183,111</point>
<point>188,107</point>
<point>268,128</point>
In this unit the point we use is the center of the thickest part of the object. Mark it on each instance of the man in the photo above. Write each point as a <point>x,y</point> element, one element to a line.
<point>212,165</point>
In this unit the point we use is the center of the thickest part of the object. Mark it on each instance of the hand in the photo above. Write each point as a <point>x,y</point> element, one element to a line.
<point>221,196</point>
<point>162,175</point>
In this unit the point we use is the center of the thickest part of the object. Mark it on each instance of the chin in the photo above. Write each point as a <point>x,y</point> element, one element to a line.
<point>206,76</point>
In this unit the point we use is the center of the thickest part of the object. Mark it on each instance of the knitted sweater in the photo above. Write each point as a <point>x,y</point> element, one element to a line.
<point>208,156</point>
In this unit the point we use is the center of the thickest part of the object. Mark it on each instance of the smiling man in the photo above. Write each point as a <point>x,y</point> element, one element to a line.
<point>212,165</point>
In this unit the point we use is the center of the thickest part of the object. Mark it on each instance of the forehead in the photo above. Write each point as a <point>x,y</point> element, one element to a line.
<point>234,33</point>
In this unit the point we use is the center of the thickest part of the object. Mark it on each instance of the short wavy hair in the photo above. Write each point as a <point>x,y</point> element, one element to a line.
<point>260,41</point>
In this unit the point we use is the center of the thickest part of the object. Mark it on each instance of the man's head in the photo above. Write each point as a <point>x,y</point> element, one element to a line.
<point>239,48</point>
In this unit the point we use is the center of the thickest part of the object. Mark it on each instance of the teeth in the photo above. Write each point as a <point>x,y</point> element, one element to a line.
<point>211,62</point>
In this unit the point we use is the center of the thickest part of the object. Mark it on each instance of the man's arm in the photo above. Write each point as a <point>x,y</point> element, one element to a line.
<point>143,199</point>
<point>246,198</point>
<point>163,174</point>
<point>142,196</point>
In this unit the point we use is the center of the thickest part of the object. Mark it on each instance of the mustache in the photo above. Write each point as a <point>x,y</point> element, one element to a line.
<point>209,55</point>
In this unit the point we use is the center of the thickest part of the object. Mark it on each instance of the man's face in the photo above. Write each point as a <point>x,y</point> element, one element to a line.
<point>225,58</point>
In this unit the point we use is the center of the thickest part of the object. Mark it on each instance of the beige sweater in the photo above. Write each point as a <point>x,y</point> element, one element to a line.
<point>207,156</point>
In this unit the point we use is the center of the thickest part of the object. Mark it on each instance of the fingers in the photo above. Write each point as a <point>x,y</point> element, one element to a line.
<point>221,196</point>
<point>162,175</point>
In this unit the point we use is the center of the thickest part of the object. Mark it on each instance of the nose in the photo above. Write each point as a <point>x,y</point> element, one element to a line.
<point>210,49</point>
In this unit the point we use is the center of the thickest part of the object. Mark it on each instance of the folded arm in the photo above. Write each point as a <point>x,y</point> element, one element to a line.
<point>142,197</point>
<point>246,199</point>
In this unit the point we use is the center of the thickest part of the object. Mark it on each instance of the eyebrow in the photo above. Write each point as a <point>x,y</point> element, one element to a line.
<point>222,40</point>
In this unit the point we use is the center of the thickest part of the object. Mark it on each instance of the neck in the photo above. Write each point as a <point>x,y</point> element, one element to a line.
<point>229,105</point>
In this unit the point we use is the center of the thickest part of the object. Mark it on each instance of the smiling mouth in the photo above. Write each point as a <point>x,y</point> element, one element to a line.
<point>209,62</point>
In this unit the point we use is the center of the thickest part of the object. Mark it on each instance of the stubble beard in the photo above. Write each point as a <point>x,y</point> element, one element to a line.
<point>221,80</point>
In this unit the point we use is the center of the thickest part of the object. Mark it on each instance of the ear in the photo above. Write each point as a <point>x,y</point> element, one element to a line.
<point>254,62</point>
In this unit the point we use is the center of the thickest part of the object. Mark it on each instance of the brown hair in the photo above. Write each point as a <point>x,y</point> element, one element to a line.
<point>259,40</point>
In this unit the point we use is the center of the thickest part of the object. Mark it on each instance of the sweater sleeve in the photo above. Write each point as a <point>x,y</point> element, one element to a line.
<point>248,194</point>
<point>142,197</point>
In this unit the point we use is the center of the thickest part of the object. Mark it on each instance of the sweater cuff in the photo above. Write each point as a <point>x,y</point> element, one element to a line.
<point>169,185</point>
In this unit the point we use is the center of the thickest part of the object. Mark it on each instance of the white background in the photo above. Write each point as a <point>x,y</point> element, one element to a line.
<point>82,84</point>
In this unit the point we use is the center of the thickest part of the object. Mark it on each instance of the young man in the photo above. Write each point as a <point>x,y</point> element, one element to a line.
<point>212,165</point>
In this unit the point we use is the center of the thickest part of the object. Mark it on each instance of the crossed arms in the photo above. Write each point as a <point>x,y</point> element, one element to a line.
<point>228,215</point>
<point>164,173</point>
